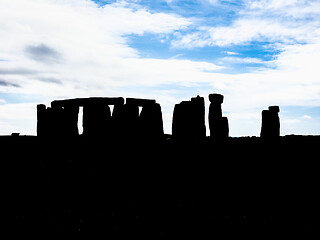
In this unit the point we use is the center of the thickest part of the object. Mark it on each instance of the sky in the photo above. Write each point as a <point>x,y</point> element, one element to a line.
<point>257,53</point>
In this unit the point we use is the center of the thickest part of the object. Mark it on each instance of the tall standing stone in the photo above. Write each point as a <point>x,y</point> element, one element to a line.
<point>188,123</point>
<point>265,124</point>
<point>42,120</point>
<point>275,121</point>
<point>270,127</point>
<point>150,122</point>
<point>130,120</point>
<point>198,109</point>
<point>219,126</point>
<point>71,114</point>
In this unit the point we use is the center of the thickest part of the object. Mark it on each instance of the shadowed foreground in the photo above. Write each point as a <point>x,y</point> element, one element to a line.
<point>240,187</point>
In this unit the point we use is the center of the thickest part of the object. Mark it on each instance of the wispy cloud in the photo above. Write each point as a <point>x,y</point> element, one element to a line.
<point>306,117</point>
<point>8,83</point>
<point>266,20</point>
<point>243,60</point>
<point>43,53</point>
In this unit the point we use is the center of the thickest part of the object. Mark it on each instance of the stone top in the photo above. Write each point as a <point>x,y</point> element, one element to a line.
<point>85,101</point>
<point>216,98</point>
<point>274,109</point>
<point>140,102</point>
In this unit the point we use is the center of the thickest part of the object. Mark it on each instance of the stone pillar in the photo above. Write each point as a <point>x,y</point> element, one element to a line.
<point>219,127</point>
<point>188,122</point>
<point>181,121</point>
<point>42,120</point>
<point>225,128</point>
<point>71,114</point>
<point>57,126</point>
<point>270,127</point>
<point>130,120</point>
<point>265,124</point>
<point>274,121</point>
<point>198,109</point>
<point>96,119</point>
<point>117,126</point>
<point>150,122</point>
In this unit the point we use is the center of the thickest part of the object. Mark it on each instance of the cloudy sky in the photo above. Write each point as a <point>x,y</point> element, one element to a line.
<point>256,53</point>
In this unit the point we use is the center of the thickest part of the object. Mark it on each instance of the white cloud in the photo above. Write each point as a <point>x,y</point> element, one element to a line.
<point>243,60</point>
<point>281,21</point>
<point>286,8</point>
<point>231,53</point>
<point>89,41</point>
<point>291,121</point>
<point>246,30</point>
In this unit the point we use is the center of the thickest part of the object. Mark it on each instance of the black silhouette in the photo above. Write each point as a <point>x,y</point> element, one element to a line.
<point>219,126</point>
<point>123,177</point>
<point>188,120</point>
<point>124,124</point>
<point>270,127</point>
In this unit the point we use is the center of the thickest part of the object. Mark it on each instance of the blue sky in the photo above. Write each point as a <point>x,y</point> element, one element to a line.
<point>256,53</point>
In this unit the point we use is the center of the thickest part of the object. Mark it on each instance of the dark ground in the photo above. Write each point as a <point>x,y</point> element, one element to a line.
<point>242,188</point>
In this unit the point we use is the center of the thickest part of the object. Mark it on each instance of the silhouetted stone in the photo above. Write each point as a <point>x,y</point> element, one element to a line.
<point>42,120</point>
<point>118,121</point>
<point>188,120</point>
<point>71,114</point>
<point>96,119</point>
<point>219,127</point>
<point>62,118</point>
<point>270,127</point>
<point>148,126</point>
<point>151,124</point>
<point>140,102</point>
<point>265,125</point>
<point>57,121</point>
<point>199,126</point>
<point>85,101</point>
<point>180,121</point>
<point>216,98</point>
<point>275,121</point>
<point>130,121</point>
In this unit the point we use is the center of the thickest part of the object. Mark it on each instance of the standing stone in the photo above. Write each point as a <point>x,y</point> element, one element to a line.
<point>130,120</point>
<point>42,120</point>
<point>57,127</point>
<point>274,121</point>
<point>198,109</point>
<point>96,120</point>
<point>151,124</point>
<point>117,129</point>
<point>71,114</point>
<point>215,110</point>
<point>265,125</point>
<point>224,134</point>
<point>188,122</point>
<point>219,126</point>
<point>181,121</point>
<point>270,127</point>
